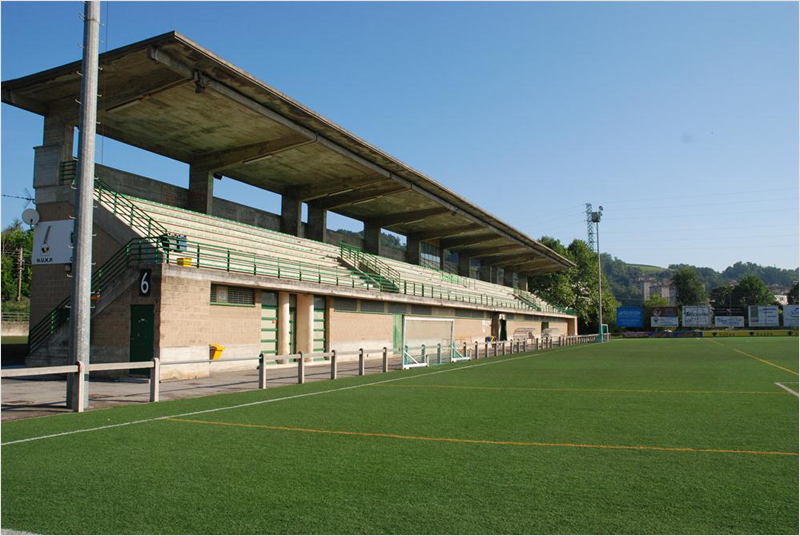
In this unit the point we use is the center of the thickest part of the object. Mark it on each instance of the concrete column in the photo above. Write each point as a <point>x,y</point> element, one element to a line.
<point>372,239</point>
<point>201,189</point>
<point>57,143</point>
<point>508,278</point>
<point>442,254</point>
<point>485,273</point>
<point>522,282</point>
<point>283,323</point>
<point>305,323</point>
<point>317,228</point>
<point>463,265</point>
<point>412,250</point>
<point>291,215</point>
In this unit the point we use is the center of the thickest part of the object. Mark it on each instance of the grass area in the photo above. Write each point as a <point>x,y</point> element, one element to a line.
<point>648,268</point>
<point>633,436</point>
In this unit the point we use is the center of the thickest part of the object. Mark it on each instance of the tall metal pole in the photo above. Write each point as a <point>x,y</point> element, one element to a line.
<point>599,280</point>
<point>19,274</point>
<point>81,303</point>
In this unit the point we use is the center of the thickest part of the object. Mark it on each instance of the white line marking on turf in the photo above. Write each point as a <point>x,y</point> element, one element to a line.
<point>795,393</point>
<point>269,401</point>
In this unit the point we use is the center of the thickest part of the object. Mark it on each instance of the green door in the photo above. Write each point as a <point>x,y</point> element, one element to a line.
<point>142,332</point>
<point>320,324</point>
<point>269,323</point>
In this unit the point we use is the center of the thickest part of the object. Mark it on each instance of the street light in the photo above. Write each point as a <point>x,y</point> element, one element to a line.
<point>596,220</point>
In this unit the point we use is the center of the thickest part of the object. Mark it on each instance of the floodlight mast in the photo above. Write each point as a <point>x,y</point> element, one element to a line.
<point>81,310</point>
<point>596,219</point>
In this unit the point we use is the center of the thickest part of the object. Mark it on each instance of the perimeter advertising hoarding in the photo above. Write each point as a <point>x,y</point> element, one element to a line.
<point>760,316</point>
<point>630,317</point>
<point>664,317</point>
<point>790,313</point>
<point>729,321</point>
<point>696,316</point>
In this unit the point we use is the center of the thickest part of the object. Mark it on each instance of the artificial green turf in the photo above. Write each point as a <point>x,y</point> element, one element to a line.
<point>181,477</point>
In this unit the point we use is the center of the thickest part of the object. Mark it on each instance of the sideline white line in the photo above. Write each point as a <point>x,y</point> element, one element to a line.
<point>269,401</point>
<point>795,393</point>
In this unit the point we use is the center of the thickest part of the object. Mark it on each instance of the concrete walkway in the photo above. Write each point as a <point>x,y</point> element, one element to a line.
<point>45,395</point>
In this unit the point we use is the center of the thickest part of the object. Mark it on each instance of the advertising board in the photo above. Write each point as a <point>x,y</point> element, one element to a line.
<point>790,313</point>
<point>630,317</point>
<point>664,317</point>
<point>760,316</point>
<point>52,242</point>
<point>698,316</point>
<point>729,321</point>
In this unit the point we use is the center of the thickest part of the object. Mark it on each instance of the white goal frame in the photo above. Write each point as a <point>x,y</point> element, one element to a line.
<point>409,359</point>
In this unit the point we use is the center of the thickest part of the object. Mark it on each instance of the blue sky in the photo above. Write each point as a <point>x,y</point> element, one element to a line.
<point>681,119</point>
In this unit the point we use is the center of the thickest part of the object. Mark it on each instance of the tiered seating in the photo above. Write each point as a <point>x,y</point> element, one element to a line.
<point>226,244</point>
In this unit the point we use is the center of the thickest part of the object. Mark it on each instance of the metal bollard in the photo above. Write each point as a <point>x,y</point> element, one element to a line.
<point>155,380</point>
<point>80,403</point>
<point>333,365</point>
<point>301,369</point>
<point>424,355</point>
<point>465,350</point>
<point>439,354</point>
<point>360,361</point>
<point>262,372</point>
<point>476,350</point>
<point>385,360</point>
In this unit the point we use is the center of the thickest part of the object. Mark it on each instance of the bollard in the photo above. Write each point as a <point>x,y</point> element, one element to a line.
<point>333,364</point>
<point>262,372</point>
<point>465,350</point>
<point>301,369</point>
<point>424,356</point>
<point>476,350</point>
<point>360,361</point>
<point>439,354</point>
<point>385,360</point>
<point>80,405</point>
<point>155,380</point>
<point>524,345</point>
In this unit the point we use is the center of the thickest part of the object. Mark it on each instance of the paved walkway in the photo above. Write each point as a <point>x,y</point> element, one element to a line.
<point>45,395</point>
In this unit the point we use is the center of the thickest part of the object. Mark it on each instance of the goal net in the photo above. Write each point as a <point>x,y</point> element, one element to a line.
<point>427,341</point>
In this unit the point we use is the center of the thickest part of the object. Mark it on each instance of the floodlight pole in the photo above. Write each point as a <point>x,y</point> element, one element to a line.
<point>81,302</point>
<point>596,219</point>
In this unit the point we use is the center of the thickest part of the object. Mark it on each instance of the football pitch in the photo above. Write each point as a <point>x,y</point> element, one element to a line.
<point>632,436</point>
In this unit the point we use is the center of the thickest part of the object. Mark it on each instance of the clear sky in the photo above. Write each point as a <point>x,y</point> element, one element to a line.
<point>680,119</point>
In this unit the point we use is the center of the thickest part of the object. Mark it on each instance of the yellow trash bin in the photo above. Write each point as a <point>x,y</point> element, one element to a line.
<point>215,350</point>
<point>185,262</point>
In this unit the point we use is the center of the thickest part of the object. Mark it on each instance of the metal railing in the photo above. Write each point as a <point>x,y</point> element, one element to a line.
<point>16,317</point>
<point>538,304</point>
<point>418,355</point>
<point>384,276</point>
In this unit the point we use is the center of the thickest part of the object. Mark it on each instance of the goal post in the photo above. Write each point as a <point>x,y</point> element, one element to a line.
<point>427,340</point>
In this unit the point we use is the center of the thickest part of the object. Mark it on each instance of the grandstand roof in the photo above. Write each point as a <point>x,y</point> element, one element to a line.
<point>170,96</point>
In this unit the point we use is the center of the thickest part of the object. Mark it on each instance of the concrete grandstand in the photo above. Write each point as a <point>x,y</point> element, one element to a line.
<point>252,281</point>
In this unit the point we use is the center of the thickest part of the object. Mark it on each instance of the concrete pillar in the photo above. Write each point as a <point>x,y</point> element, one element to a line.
<point>57,142</point>
<point>372,238</point>
<point>291,215</point>
<point>508,278</point>
<point>442,255</point>
<point>201,189</point>
<point>413,250</point>
<point>317,228</point>
<point>522,282</point>
<point>485,273</point>
<point>283,323</point>
<point>463,265</point>
<point>305,323</point>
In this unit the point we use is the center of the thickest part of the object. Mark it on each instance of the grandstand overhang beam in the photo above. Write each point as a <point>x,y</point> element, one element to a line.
<point>444,232</point>
<point>312,192</point>
<point>248,154</point>
<point>357,197</point>
<point>460,242</point>
<point>480,253</point>
<point>407,217</point>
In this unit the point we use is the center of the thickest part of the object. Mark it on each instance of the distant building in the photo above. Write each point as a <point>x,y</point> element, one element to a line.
<point>650,286</point>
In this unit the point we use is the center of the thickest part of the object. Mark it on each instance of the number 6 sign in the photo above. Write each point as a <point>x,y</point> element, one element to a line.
<point>144,283</point>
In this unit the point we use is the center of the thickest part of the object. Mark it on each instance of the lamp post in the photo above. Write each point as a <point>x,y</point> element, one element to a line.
<point>596,220</point>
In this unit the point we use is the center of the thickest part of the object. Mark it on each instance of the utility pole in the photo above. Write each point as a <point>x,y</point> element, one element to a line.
<point>19,274</point>
<point>81,312</point>
<point>596,219</point>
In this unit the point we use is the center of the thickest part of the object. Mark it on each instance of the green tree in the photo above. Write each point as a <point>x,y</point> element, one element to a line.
<point>721,296</point>
<point>15,237</point>
<point>792,296</point>
<point>689,287</point>
<point>751,291</point>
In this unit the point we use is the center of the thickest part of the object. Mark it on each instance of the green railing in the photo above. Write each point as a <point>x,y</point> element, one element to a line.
<point>533,302</point>
<point>456,279</point>
<point>137,248</point>
<point>371,267</point>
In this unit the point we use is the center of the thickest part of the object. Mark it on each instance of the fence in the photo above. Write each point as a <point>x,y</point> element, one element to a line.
<point>464,352</point>
<point>16,317</point>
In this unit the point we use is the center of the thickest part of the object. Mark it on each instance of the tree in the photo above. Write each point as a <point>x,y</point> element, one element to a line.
<point>15,237</point>
<point>751,291</point>
<point>792,296</point>
<point>689,287</point>
<point>721,296</point>
<point>653,301</point>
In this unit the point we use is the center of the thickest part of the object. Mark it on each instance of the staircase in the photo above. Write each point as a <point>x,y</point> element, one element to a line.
<point>377,273</point>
